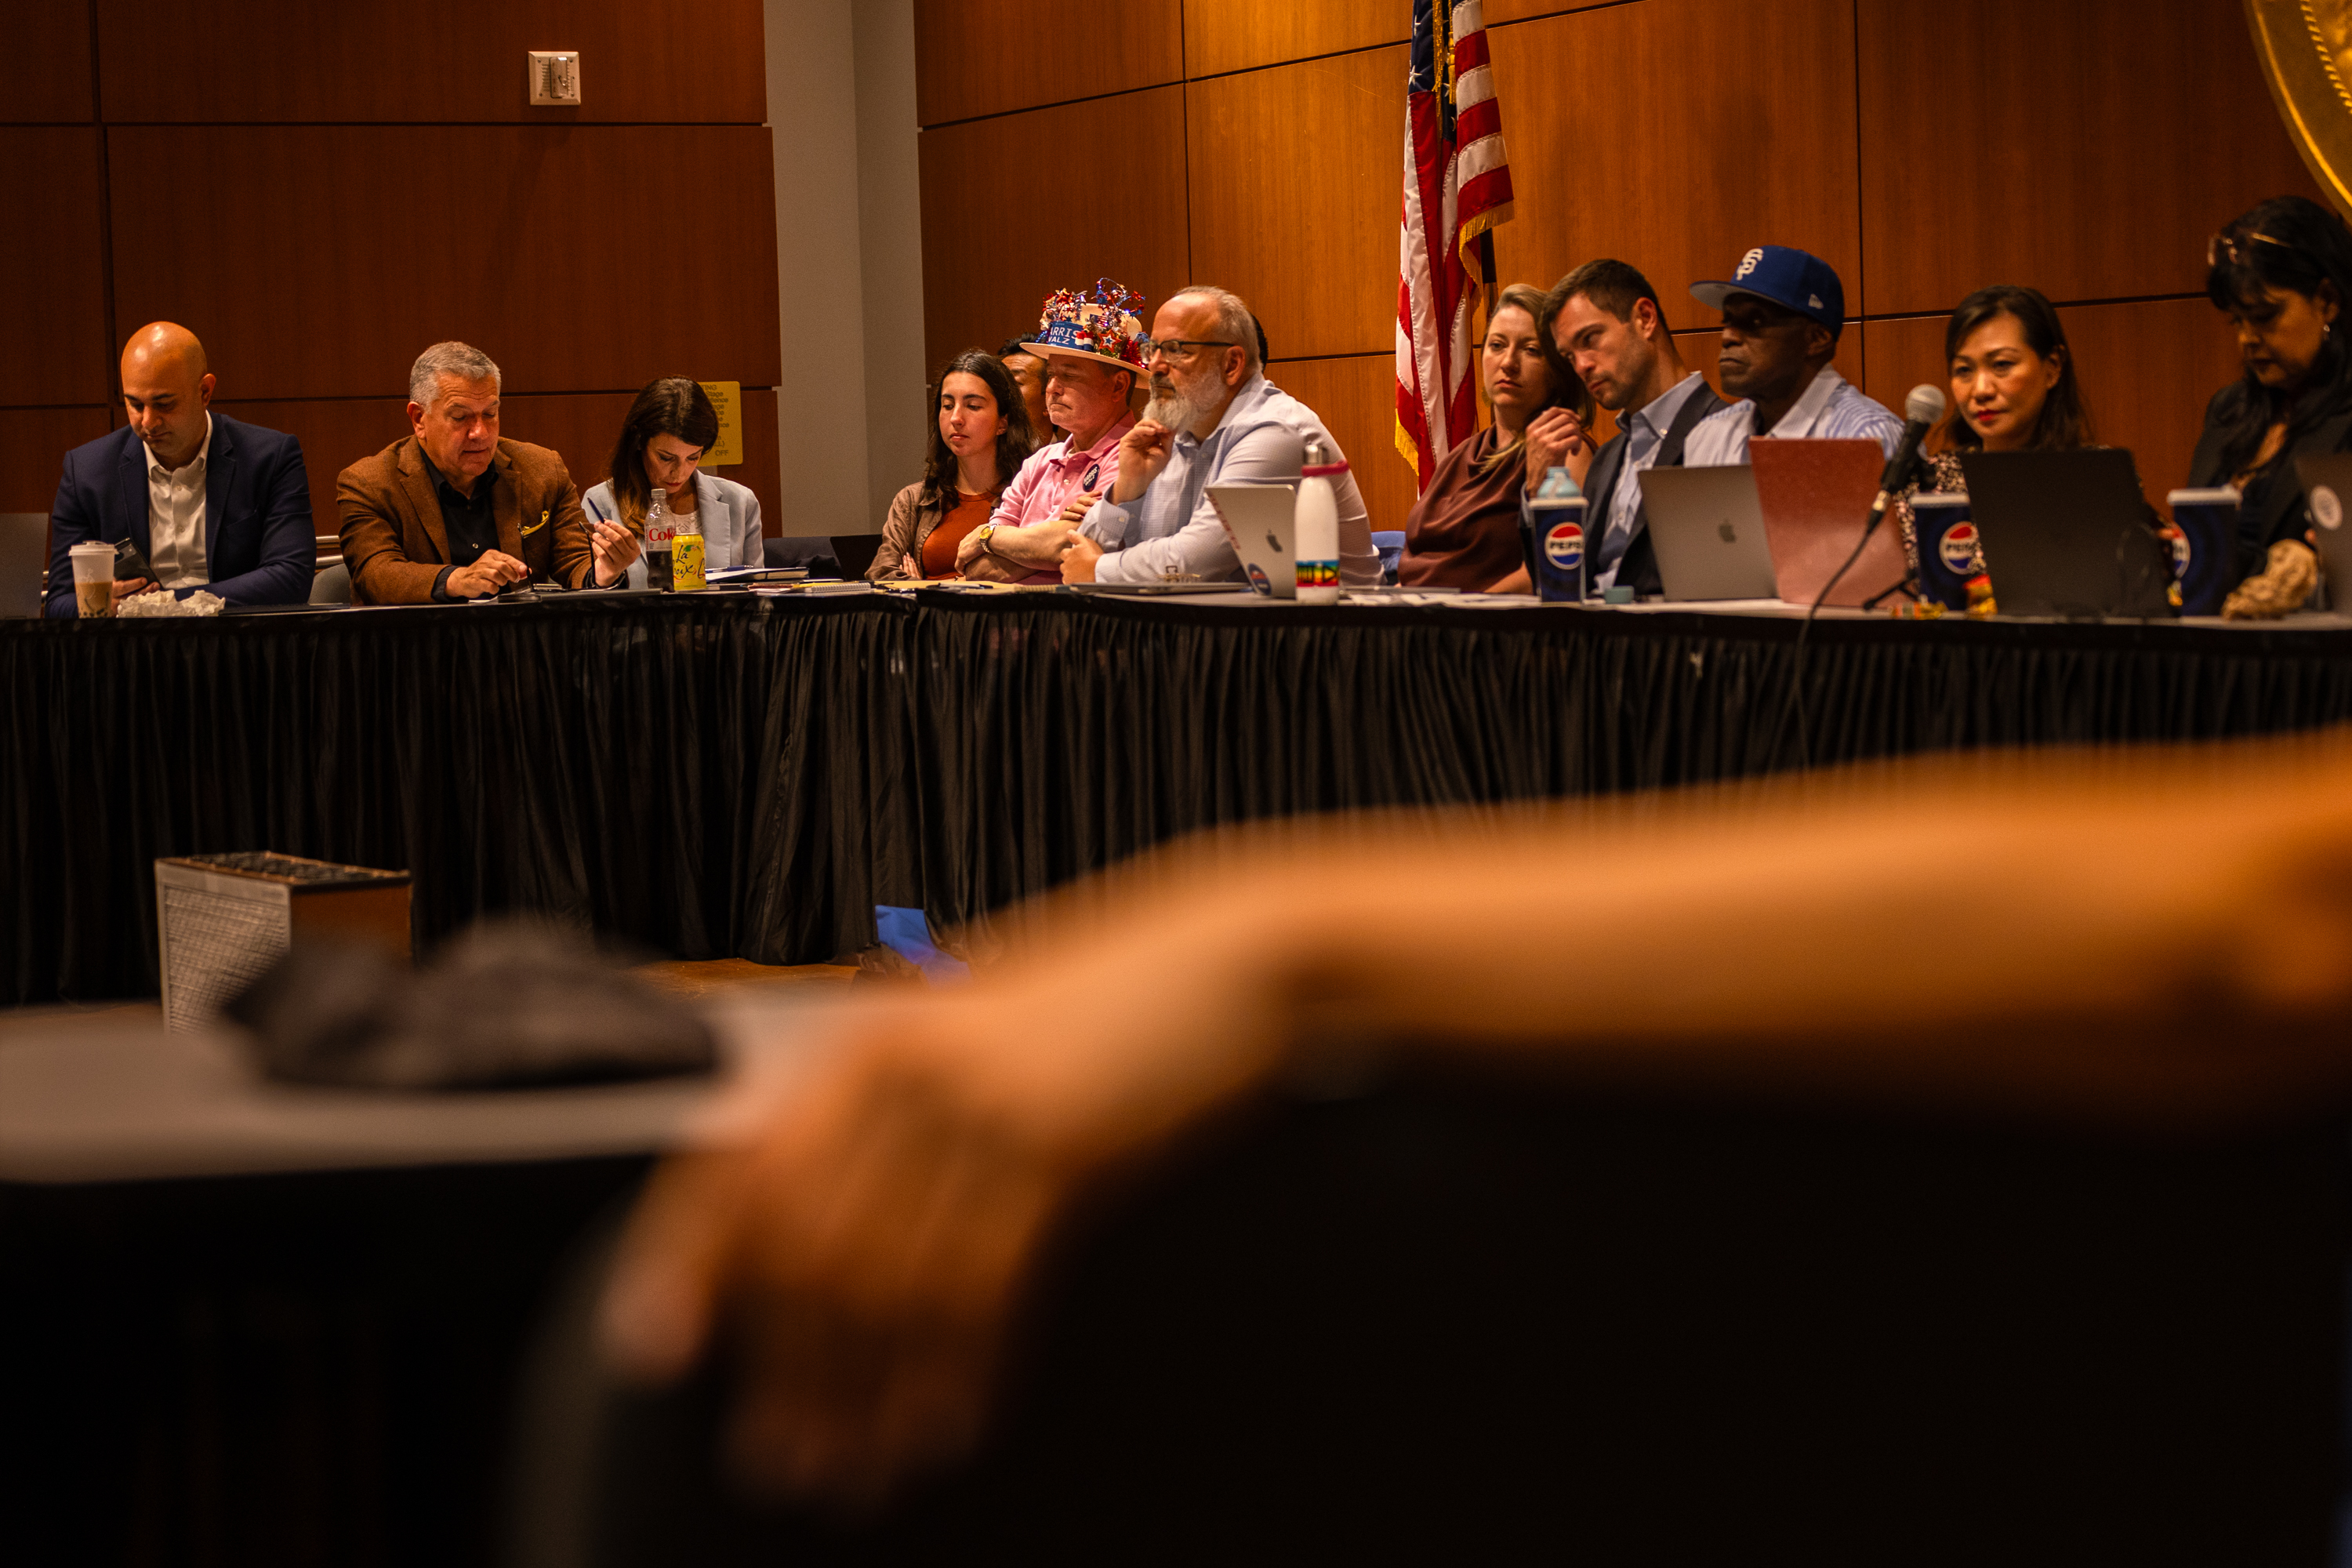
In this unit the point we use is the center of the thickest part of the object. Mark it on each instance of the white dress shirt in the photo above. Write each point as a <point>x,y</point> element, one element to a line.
<point>1831,409</point>
<point>175,517</point>
<point>1172,526</point>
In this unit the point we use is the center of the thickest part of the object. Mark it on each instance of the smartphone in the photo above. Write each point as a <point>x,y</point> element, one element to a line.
<point>129,564</point>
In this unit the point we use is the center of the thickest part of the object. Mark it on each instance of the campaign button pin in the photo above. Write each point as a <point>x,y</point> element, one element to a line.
<point>2327,506</point>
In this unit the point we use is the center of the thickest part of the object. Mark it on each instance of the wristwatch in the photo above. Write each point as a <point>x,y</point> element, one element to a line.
<point>984,533</point>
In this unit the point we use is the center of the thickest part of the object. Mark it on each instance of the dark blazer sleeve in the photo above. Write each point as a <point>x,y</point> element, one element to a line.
<point>280,497</point>
<point>73,519</point>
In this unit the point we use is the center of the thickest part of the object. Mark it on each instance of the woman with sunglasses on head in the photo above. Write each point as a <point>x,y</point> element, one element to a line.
<point>668,428</point>
<point>980,436</point>
<point>1464,531</point>
<point>2282,274</point>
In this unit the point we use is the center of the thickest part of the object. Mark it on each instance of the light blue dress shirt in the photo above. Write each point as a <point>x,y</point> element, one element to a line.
<point>1171,527</point>
<point>1646,432</point>
<point>1831,409</point>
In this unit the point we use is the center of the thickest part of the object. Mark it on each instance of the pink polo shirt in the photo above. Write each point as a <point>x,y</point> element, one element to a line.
<point>1053,475</point>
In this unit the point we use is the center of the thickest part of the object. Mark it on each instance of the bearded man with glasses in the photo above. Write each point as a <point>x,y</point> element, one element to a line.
<point>1213,418</point>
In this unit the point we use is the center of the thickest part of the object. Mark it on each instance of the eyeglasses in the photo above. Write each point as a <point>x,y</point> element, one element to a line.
<point>1183,348</point>
<point>2221,247</point>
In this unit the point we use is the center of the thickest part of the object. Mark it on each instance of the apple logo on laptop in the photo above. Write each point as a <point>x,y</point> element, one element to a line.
<point>1272,542</point>
<point>1728,536</point>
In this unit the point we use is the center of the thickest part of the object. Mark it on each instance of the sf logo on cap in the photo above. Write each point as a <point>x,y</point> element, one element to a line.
<point>1748,263</point>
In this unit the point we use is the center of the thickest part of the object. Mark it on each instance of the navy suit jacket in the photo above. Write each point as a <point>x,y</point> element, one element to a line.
<point>260,541</point>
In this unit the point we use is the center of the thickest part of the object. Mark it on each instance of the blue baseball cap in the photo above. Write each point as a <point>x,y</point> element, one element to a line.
<point>1795,279</point>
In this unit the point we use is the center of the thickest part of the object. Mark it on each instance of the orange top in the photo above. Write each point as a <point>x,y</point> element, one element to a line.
<point>939,549</point>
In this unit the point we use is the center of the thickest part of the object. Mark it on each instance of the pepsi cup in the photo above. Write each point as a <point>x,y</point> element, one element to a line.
<point>2204,540</point>
<point>1553,539</point>
<point>1946,538</point>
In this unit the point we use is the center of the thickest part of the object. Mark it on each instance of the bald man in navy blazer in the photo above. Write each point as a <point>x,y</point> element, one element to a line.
<point>212,502</point>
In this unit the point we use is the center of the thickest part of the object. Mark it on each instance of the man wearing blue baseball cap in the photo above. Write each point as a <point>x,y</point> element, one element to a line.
<point>1784,311</point>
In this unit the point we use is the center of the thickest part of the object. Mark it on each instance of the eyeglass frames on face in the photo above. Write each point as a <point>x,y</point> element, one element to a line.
<point>1184,348</point>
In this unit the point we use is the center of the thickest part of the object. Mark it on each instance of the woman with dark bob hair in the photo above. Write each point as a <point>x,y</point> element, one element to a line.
<point>2013,389</point>
<point>2282,274</point>
<point>980,438</point>
<point>668,428</point>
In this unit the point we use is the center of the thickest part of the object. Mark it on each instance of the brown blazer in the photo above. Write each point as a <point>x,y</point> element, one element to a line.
<point>396,545</point>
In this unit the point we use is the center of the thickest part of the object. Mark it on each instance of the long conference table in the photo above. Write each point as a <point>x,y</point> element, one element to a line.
<point>746,774</point>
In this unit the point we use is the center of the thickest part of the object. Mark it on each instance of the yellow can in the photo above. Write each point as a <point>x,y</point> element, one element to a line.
<point>686,563</point>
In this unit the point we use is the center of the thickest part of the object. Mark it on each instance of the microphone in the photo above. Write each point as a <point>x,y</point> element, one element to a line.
<point>1920,412</point>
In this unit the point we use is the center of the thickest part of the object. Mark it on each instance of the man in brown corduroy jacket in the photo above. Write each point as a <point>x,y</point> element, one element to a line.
<point>452,511</point>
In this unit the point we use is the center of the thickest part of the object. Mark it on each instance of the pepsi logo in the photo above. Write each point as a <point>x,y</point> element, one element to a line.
<point>1564,545</point>
<point>2180,553</point>
<point>1958,550</point>
<point>1257,579</point>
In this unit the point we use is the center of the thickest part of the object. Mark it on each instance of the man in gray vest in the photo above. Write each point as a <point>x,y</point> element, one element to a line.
<point>1609,331</point>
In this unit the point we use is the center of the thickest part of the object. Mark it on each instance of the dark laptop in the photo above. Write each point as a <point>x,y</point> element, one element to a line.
<point>2068,535</point>
<point>23,561</point>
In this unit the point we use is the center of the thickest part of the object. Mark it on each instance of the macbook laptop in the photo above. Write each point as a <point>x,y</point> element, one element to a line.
<point>23,561</point>
<point>2067,533</point>
<point>1258,520</point>
<point>1816,497</point>
<point>1708,532</point>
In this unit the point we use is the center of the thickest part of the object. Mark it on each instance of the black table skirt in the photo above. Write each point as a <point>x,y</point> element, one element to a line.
<point>713,776</point>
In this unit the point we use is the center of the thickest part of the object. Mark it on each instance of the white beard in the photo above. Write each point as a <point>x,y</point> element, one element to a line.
<point>1174,409</point>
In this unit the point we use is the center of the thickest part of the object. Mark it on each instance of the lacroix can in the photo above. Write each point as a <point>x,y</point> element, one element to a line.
<point>2204,537</point>
<point>686,562</point>
<point>1555,547</point>
<point>1944,535</point>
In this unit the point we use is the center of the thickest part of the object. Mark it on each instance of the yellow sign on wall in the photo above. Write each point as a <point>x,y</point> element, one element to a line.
<point>727,397</point>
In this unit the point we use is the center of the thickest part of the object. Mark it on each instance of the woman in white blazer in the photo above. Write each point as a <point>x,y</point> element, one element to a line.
<point>669,427</point>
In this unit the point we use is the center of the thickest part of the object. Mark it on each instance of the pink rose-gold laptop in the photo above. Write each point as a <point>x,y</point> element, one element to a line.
<point>1815,497</point>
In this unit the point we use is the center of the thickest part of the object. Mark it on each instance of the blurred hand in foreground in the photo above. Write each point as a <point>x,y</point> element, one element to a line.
<point>865,1253</point>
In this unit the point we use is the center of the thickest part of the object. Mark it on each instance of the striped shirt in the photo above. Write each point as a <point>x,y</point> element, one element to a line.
<point>1831,409</point>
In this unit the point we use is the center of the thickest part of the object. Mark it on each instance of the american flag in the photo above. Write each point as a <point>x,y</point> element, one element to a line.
<point>1458,187</point>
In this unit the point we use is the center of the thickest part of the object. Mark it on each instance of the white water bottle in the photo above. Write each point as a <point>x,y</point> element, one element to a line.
<point>1315,527</point>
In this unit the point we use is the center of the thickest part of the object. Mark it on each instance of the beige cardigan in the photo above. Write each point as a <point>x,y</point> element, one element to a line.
<point>903,532</point>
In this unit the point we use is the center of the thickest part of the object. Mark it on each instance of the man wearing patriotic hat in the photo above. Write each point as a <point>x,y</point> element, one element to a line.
<point>1092,346</point>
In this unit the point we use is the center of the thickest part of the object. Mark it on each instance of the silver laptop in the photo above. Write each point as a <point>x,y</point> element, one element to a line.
<point>1708,529</point>
<point>23,561</point>
<point>1257,519</point>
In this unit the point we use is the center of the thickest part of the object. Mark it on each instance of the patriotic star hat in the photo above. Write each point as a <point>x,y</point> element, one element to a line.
<point>1103,325</point>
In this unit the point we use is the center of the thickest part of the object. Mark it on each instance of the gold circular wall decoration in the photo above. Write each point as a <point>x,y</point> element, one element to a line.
<point>2305,48</point>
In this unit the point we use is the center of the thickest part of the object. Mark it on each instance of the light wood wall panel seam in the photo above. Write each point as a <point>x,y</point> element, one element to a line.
<point>1058,103</point>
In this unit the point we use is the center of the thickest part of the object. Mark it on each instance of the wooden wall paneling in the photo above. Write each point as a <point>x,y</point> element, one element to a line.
<point>1356,399</point>
<point>33,446</point>
<point>973,60</point>
<point>1222,36</point>
<point>2147,368</point>
<point>1295,182</point>
<point>53,337</point>
<point>45,70</point>
<point>1674,134</point>
<point>275,61</point>
<point>2086,149</point>
<point>378,263</point>
<point>995,243</point>
<point>338,432</point>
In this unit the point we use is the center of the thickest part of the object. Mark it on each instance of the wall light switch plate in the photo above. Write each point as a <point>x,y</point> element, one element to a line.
<point>554,75</point>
